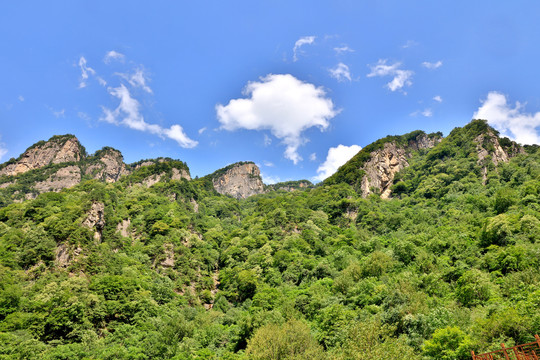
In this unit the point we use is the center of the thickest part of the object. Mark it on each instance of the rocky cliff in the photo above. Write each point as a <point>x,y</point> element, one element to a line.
<point>107,165</point>
<point>59,149</point>
<point>497,150</point>
<point>373,169</point>
<point>239,180</point>
<point>61,162</point>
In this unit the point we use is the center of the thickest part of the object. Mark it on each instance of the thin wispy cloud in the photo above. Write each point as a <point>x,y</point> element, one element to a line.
<point>336,157</point>
<point>21,98</point>
<point>267,140</point>
<point>426,113</point>
<point>432,65</point>
<point>201,130</point>
<point>269,179</point>
<point>3,149</point>
<point>438,98</point>
<point>343,49</point>
<point>313,157</point>
<point>128,113</point>
<point>510,121</point>
<point>85,72</point>
<point>306,40</point>
<point>401,78</point>
<point>137,79</point>
<point>301,106</point>
<point>408,44</point>
<point>341,72</point>
<point>268,164</point>
<point>113,56</point>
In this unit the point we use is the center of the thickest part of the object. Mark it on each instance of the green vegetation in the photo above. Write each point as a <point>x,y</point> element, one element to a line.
<point>448,265</point>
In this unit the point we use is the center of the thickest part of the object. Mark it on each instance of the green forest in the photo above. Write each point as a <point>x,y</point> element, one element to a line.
<point>448,264</point>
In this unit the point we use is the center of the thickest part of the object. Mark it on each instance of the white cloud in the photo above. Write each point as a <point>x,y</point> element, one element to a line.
<point>267,140</point>
<point>21,98</point>
<point>437,98</point>
<point>268,164</point>
<point>85,71</point>
<point>313,157</point>
<point>113,55</point>
<point>137,79</point>
<point>510,121</point>
<point>128,114</point>
<point>270,179</point>
<point>176,132</point>
<point>282,104</point>
<point>409,43</point>
<point>201,130</point>
<point>426,112</point>
<point>341,72</point>
<point>60,113</point>
<point>343,49</point>
<point>401,77</point>
<point>306,40</point>
<point>84,116</point>
<point>3,150</point>
<point>432,66</point>
<point>337,156</point>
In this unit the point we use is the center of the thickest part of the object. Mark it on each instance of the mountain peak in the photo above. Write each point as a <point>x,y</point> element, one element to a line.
<point>58,149</point>
<point>239,180</point>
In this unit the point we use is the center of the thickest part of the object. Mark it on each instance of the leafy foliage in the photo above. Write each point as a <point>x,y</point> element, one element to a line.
<point>449,265</point>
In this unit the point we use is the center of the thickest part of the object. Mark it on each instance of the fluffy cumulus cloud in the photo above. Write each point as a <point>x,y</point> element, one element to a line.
<point>281,104</point>
<point>86,71</point>
<point>128,114</point>
<point>437,98</point>
<point>306,40</point>
<point>341,72</point>
<point>113,56</point>
<point>400,77</point>
<point>510,121</point>
<point>432,66</point>
<point>337,156</point>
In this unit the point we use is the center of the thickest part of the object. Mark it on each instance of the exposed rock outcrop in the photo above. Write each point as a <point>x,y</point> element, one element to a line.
<point>239,180</point>
<point>59,149</point>
<point>65,177</point>
<point>109,165</point>
<point>95,220</point>
<point>488,145</point>
<point>384,163</point>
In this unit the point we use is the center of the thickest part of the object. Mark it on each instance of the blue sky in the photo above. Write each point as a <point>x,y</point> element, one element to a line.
<point>295,86</point>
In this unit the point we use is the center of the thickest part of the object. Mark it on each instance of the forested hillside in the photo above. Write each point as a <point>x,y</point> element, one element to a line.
<point>172,269</point>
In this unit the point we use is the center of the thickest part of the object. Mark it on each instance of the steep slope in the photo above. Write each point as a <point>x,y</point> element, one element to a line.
<point>177,271</point>
<point>57,150</point>
<point>467,157</point>
<point>372,170</point>
<point>61,162</point>
<point>239,180</point>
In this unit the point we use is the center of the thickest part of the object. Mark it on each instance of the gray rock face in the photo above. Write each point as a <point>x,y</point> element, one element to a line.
<point>95,220</point>
<point>488,145</point>
<point>381,169</point>
<point>109,167</point>
<point>65,177</point>
<point>384,163</point>
<point>54,151</point>
<point>239,181</point>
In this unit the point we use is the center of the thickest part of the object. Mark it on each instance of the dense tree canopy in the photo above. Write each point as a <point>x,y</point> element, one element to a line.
<point>448,265</point>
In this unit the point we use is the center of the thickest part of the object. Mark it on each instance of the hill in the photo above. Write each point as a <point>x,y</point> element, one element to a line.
<point>140,261</point>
